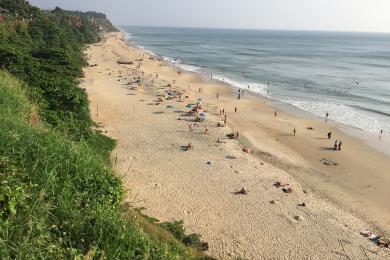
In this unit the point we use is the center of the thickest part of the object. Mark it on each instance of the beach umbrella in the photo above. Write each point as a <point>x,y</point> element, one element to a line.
<point>189,105</point>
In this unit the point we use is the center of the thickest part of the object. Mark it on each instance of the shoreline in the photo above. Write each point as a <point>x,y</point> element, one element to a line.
<point>369,138</point>
<point>172,184</point>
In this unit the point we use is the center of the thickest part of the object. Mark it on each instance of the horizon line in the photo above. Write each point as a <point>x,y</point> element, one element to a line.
<point>254,29</point>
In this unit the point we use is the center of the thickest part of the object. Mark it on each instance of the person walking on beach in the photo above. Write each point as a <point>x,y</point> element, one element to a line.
<point>220,112</point>
<point>329,135</point>
<point>235,110</point>
<point>339,146</point>
<point>223,111</point>
<point>276,114</point>
<point>217,96</point>
<point>380,134</point>
<point>335,145</point>
<point>326,117</point>
<point>294,131</point>
<point>225,120</point>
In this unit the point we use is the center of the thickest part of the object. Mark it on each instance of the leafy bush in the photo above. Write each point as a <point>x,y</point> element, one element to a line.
<point>178,231</point>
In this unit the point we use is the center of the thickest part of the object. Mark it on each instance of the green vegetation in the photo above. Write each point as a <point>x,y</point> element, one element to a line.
<point>58,196</point>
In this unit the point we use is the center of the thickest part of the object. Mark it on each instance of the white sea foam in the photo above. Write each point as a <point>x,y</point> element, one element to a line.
<point>179,63</point>
<point>343,114</point>
<point>187,67</point>
<point>253,86</point>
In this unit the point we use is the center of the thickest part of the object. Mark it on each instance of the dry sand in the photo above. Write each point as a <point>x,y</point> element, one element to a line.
<point>198,185</point>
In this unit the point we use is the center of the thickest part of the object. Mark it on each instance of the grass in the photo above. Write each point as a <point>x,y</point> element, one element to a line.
<point>60,199</point>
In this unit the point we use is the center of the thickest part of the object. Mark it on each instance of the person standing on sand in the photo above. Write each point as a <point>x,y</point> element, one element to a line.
<point>276,114</point>
<point>339,146</point>
<point>223,111</point>
<point>235,110</point>
<point>380,134</point>
<point>335,145</point>
<point>225,120</point>
<point>217,96</point>
<point>329,135</point>
<point>239,96</point>
<point>294,131</point>
<point>326,117</point>
<point>220,112</point>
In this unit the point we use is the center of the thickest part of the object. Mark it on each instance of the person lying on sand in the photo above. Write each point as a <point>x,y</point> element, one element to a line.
<point>219,124</point>
<point>246,150</point>
<point>378,240</point>
<point>243,191</point>
<point>287,190</point>
<point>231,135</point>
<point>279,184</point>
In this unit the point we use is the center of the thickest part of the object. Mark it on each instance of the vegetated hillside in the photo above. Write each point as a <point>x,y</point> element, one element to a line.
<point>44,49</point>
<point>58,195</point>
<point>59,198</point>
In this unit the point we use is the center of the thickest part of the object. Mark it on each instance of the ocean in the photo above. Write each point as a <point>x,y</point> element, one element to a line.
<point>344,74</point>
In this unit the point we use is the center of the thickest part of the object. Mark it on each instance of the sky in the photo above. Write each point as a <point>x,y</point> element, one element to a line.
<point>323,15</point>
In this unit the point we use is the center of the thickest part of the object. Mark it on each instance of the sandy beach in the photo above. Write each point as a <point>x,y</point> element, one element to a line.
<point>328,196</point>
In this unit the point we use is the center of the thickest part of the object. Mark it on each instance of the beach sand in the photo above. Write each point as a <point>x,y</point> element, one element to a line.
<point>344,191</point>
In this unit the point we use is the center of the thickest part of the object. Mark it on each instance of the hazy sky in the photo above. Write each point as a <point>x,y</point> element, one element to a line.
<point>333,15</point>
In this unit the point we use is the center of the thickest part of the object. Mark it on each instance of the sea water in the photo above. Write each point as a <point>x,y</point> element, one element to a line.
<point>344,74</point>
